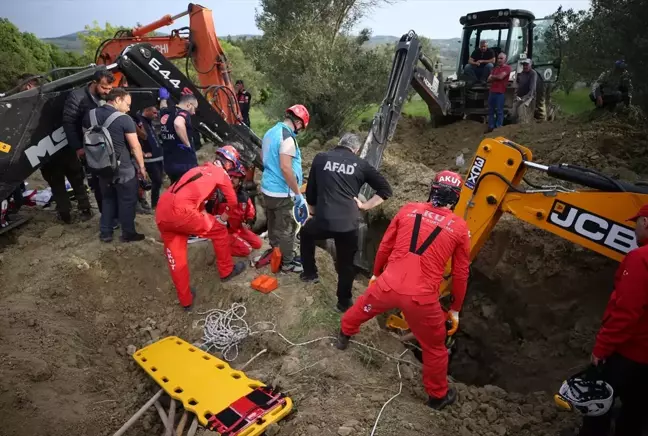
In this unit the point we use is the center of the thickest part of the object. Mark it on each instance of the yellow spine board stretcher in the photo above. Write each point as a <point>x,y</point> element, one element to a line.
<point>206,385</point>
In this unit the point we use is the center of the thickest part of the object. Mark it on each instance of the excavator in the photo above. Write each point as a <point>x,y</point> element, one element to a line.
<point>31,120</point>
<point>595,218</point>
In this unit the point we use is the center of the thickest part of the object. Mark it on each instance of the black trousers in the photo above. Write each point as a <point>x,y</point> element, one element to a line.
<point>119,199</point>
<point>346,245</point>
<point>629,380</point>
<point>155,171</point>
<point>66,164</point>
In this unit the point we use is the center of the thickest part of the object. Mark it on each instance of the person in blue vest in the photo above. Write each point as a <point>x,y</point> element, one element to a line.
<point>153,159</point>
<point>177,136</point>
<point>281,182</point>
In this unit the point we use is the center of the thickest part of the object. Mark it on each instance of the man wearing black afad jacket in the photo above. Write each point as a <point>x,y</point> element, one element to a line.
<point>334,183</point>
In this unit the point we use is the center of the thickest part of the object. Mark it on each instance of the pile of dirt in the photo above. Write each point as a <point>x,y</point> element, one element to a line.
<point>73,310</point>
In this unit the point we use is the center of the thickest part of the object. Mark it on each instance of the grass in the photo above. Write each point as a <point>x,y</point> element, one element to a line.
<point>260,122</point>
<point>574,103</point>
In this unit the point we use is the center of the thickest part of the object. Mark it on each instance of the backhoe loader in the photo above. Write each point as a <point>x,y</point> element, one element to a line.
<point>595,218</point>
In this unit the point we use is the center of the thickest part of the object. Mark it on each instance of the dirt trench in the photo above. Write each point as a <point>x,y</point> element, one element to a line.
<point>72,310</point>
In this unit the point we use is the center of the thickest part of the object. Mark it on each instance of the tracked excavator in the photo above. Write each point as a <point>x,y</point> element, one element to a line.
<point>31,121</point>
<point>595,217</point>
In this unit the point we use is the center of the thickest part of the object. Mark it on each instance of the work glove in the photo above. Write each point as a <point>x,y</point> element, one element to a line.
<point>453,319</point>
<point>372,280</point>
<point>164,94</point>
<point>300,201</point>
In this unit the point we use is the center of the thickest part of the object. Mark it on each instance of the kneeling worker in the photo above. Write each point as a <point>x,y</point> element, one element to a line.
<point>241,238</point>
<point>181,213</point>
<point>334,183</point>
<point>409,267</point>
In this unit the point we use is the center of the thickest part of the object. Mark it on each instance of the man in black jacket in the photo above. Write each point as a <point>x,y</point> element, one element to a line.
<point>152,150</point>
<point>79,102</point>
<point>334,183</point>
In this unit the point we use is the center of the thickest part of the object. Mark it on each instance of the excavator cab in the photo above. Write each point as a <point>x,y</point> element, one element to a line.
<point>517,33</point>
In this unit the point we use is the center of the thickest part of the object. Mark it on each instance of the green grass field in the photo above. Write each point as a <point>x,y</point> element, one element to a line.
<point>575,103</point>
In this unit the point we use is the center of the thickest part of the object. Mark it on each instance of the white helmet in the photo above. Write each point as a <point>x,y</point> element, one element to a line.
<point>590,397</point>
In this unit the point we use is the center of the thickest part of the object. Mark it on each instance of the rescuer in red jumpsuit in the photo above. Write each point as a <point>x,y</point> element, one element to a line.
<point>621,349</point>
<point>241,238</point>
<point>409,267</point>
<point>181,213</point>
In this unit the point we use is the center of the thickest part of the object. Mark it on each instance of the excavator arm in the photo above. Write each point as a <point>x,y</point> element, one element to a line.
<point>31,121</point>
<point>197,43</point>
<point>595,218</point>
<point>405,72</point>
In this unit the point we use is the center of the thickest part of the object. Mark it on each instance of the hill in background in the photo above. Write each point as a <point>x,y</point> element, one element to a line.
<point>448,47</point>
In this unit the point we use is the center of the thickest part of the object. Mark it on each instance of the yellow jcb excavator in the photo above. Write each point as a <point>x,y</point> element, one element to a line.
<point>596,218</point>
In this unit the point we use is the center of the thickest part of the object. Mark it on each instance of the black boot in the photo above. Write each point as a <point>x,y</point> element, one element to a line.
<point>440,403</point>
<point>193,297</point>
<point>239,267</point>
<point>343,306</point>
<point>342,342</point>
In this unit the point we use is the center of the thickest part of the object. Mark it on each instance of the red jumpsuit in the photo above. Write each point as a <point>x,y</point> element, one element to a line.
<point>409,264</point>
<point>242,239</point>
<point>180,213</point>
<point>625,323</point>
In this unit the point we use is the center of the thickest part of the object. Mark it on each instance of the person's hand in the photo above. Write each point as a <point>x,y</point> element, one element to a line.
<point>80,153</point>
<point>596,361</point>
<point>453,317</point>
<point>599,101</point>
<point>360,204</point>
<point>164,94</point>
<point>372,280</point>
<point>142,172</point>
<point>148,154</point>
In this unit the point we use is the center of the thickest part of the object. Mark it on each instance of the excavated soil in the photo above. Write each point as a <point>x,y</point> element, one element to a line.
<point>72,310</point>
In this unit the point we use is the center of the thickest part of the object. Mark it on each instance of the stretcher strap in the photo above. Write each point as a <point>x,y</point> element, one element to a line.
<point>428,241</point>
<point>245,411</point>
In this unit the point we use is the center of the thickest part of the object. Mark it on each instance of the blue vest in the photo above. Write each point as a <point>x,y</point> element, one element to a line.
<point>272,180</point>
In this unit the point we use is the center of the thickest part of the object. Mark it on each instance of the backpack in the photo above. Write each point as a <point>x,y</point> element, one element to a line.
<point>98,145</point>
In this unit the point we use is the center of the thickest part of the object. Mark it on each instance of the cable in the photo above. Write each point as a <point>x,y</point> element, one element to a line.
<point>400,390</point>
<point>223,331</point>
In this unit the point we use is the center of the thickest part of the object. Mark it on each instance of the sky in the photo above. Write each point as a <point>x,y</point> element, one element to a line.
<point>431,18</point>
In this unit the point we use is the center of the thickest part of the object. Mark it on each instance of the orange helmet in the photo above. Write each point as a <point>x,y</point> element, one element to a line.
<point>299,111</point>
<point>230,153</point>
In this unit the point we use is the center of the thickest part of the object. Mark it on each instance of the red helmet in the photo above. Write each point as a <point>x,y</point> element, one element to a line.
<point>230,153</point>
<point>300,112</point>
<point>446,189</point>
<point>237,171</point>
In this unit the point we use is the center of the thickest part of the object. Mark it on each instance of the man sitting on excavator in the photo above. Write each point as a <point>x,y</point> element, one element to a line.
<point>480,63</point>
<point>408,271</point>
